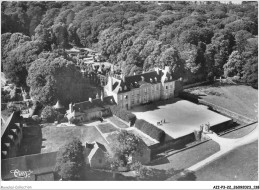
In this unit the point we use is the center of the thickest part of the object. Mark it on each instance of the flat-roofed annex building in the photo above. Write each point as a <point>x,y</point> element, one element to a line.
<point>129,91</point>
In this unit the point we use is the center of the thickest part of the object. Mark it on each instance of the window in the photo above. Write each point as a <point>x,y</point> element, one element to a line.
<point>166,87</point>
<point>132,100</point>
<point>126,97</point>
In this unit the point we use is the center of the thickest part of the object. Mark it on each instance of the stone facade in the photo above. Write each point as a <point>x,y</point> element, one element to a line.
<point>129,91</point>
<point>90,110</point>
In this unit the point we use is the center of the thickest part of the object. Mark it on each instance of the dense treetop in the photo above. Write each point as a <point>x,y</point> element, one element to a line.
<point>198,40</point>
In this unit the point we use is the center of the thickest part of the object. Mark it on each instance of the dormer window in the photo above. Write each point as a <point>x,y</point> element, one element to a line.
<point>166,78</point>
<point>170,77</point>
<point>151,80</point>
<point>125,88</point>
<point>120,89</point>
<point>155,79</point>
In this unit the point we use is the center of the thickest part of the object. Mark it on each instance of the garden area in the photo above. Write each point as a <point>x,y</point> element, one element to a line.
<point>106,128</point>
<point>117,122</point>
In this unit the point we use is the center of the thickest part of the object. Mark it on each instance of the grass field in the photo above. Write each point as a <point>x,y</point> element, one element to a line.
<point>238,165</point>
<point>55,137</point>
<point>107,128</point>
<point>240,99</point>
<point>187,158</point>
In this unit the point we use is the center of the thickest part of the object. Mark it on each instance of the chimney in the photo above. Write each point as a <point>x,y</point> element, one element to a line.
<point>97,96</point>
<point>90,99</point>
<point>134,73</point>
<point>167,69</point>
<point>122,77</point>
<point>157,70</point>
<point>102,97</point>
<point>142,78</point>
<point>70,108</point>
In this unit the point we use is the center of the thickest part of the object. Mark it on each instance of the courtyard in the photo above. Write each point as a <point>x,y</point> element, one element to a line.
<point>181,117</point>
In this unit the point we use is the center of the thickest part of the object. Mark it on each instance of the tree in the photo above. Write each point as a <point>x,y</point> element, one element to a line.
<point>250,69</point>
<point>124,146</point>
<point>60,35</point>
<point>51,75</point>
<point>234,66</point>
<point>70,163</point>
<point>49,114</point>
<point>19,60</point>
<point>241,40</point>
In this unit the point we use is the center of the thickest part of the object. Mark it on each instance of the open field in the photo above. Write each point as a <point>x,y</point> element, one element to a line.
<point>55,137</point>
<point>239,99</point>
<point>182,117</point>
<point>238,165</point>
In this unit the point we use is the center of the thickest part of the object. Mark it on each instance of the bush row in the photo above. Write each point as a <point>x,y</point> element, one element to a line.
<point>150,130</point>
<point>188,96</point>
<point>123,114</point>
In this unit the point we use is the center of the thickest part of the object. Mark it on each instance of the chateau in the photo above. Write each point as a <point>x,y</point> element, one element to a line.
<point>129,91</point>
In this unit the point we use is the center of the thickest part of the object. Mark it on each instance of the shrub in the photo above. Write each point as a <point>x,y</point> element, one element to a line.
<point>36,118</point>
<point>49,114</point>
<point>150,130</point>
<point>188,96</point>
<point>123,114</point>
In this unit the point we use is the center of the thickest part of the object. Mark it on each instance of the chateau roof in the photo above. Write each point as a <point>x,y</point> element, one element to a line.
<point>86,105</point>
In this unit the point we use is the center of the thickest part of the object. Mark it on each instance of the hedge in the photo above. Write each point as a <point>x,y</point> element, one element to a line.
<point>150,130</point>
<point>188,96</point>
<point>123,114</point>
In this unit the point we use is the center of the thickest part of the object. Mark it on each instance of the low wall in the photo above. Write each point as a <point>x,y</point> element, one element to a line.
<point>172,144</point>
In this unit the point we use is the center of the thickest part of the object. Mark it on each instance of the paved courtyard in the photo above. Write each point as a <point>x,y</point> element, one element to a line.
<point>182,117</point>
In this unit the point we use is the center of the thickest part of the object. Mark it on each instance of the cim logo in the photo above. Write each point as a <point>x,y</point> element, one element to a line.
<point>21,174</point>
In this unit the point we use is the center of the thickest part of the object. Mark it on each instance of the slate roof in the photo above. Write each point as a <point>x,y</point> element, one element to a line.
<point>38,163</point>
<point>129,82</point>
<point>10,122</point>
<point>86,105</point>
<point>97,146</point>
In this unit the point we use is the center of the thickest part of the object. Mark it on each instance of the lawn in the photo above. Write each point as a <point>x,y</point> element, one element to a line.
<point>117,122</point>
<point>239,165</point>
<point>188,157</point>
<point>240,99</point>
<point>55,137</point>
<point>107,128</point>
<point>182,117</point>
